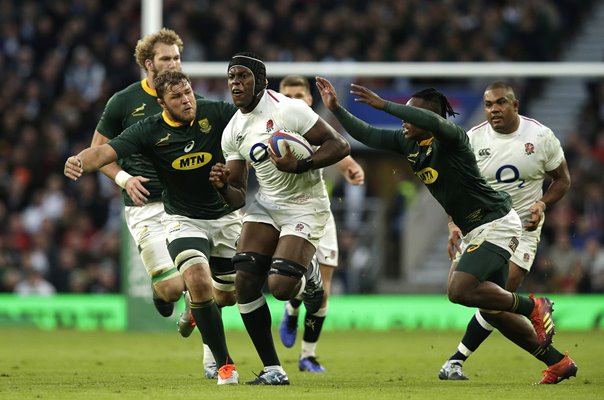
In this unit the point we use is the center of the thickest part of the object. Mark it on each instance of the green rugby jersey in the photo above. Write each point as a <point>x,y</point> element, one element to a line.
<point>183,156</point>
<point>445,163</point>
<point>125,108</point>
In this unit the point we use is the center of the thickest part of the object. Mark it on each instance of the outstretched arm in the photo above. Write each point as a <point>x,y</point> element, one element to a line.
<point>381,139</point>
<point>89,160</point>
<point>424,119</point>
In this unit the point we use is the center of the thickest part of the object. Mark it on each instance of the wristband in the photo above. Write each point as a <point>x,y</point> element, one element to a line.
<point>224,188</point>
<point>121,178</point>
<point>542,202</point>
<point>304,165</point>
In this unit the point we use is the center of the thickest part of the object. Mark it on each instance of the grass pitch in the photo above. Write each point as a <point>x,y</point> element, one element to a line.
<point>361,365</point>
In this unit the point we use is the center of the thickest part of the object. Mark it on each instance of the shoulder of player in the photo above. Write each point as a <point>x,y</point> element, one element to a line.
<point>205,102</point>
<point>130,94</point>
<point>287,109</point>
<point>282,101</point>
<point>133,89</point>
<point>215,109</point>
<point>482,127</point>
<point>533,127</point>
<point>150,123</point>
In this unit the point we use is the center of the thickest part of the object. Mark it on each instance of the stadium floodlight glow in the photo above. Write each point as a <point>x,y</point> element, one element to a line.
<point>411,69</point>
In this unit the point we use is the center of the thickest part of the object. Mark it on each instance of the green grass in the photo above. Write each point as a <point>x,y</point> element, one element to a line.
<point>361,365</point>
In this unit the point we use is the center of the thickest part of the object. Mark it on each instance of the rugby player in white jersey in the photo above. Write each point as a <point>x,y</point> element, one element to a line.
<point>514,154</point>
<point>283,225</point>
<point>298,87</point>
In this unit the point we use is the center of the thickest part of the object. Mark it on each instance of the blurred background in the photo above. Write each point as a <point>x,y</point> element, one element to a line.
<point>61,60</point>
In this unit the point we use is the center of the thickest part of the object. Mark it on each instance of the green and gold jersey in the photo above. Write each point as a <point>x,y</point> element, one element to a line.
<point>183,156</point>
<point>125,108</point>
<point>444,163</point>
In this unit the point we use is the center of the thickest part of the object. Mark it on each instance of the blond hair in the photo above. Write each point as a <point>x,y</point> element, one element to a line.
<point>145,46</point>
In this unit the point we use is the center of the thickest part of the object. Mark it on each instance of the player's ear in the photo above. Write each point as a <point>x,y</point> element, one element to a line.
<point>161,103</point>
<point>148,64</point>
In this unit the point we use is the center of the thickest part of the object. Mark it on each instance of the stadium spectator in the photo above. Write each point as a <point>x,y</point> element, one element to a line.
<point>33,283</point>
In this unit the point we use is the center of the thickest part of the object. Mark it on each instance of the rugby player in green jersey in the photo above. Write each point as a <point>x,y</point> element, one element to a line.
<point>182,142</point>
<point>441,156</point>
<point>142,190</point>
<point>135,174</point>
<point>514,154</point>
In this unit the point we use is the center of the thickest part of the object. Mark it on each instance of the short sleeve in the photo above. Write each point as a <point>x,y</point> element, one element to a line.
<point>129,142</point>
<point>554,155</point>
<point>230,149</point>
<point>298,116</point>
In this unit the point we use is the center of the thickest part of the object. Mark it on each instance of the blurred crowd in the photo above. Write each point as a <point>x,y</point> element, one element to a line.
<point>61,60</point>
<point>571,254</point>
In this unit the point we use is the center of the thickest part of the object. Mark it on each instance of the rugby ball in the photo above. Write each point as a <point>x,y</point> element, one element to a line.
<point>297,144</point>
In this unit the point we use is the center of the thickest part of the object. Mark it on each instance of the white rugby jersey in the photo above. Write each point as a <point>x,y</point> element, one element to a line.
<point>517,162</point>
<point>246,138</point>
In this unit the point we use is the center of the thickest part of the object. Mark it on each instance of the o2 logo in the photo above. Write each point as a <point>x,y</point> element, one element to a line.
<point>509,174</point>
<point>259,152</point>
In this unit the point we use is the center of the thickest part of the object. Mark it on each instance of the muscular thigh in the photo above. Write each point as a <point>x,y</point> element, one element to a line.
<point>147,231</point>
<point>258,238</point>
<point>305,223</point>
<point>486,262</point>
<point>295,248</point>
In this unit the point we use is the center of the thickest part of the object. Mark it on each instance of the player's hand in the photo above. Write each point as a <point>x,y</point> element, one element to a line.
<point>454,240</point>
<point>219,174</point>
<point>328,93</point>
<point>534,218</point>
<point>286,163</point>
<point>136,190</point>
<point>364,95</point>
<point>355,175</point>
<point>73,168</point>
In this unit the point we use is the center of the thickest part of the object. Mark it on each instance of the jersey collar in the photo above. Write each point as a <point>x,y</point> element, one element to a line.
<point>173,124</point>
<point>426,142</point>
<point>147,89</point>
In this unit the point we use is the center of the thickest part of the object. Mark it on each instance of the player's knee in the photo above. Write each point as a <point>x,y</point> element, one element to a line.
<point>458,295</point>
<point>250,276</point>
<point>225,299</point>
<point>170,289</point>
<point>252,263</point>
<point>454,292</point>
<point>283,278</point>
<point>189,258</point>
<point>461,289</point>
